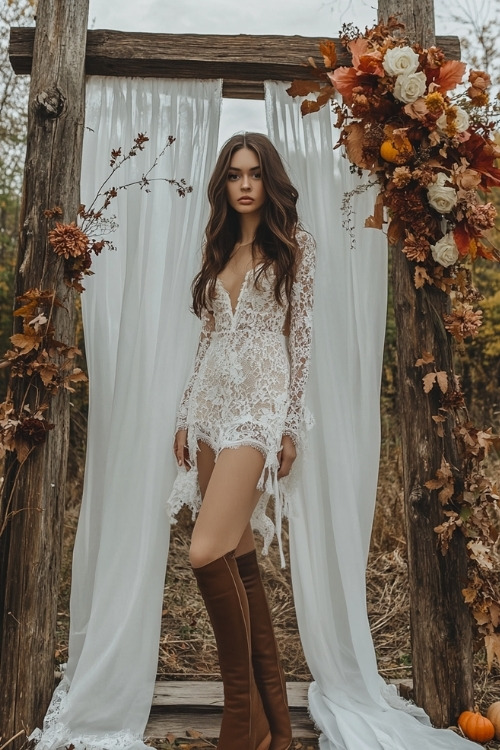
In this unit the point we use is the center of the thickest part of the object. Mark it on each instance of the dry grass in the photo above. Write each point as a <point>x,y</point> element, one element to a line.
<point>187,650</point>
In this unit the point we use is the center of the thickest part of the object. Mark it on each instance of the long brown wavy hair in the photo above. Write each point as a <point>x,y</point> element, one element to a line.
<point>275,236</point>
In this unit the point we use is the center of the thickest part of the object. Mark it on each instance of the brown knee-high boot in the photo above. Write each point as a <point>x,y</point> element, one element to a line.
<point>244,724</point>
<point>266,663</point>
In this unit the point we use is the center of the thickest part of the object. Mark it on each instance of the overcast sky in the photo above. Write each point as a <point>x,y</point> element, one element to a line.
<point>304,17</point>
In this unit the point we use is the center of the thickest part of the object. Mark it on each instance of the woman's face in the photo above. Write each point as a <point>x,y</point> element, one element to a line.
<point>245,190</point>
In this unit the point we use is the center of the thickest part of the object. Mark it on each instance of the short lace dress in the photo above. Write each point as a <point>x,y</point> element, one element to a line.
<point>247,386</point>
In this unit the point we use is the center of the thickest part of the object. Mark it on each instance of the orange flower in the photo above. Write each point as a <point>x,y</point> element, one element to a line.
<point>435,102</point>
<point>68,240</point>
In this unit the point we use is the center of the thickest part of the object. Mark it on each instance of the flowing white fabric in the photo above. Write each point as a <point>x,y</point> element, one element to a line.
<point>330,528</point>
<point>138,336</point>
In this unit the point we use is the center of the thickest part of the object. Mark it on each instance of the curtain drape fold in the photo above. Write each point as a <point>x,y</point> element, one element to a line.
<point>140,342</point>
<point>330,527</point>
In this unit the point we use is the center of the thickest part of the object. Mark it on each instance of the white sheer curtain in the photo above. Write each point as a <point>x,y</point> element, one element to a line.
<point>140,341</point>
<point>330,528</point>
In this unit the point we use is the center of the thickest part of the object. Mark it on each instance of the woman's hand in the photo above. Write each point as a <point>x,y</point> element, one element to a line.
<point>286,456</point>
<point>181,452</point>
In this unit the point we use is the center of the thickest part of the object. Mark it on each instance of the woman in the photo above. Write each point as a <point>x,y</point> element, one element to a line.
<point>241,419</point>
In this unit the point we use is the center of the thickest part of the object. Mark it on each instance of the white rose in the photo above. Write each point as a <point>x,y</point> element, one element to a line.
<point>445,250</point>
<point>410,87</point>
<point>442,197</point>
<point>400,60</point>
<point>459,122</point>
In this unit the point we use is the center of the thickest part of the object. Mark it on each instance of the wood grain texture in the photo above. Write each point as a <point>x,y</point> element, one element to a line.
<point>243,61</point>
<point>30,549</point>
<point>182,705</point>
<point>441,625</point>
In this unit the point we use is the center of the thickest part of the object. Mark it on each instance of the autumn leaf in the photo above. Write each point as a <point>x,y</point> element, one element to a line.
<point>303,88</point>
<point>480,553</point>
<point>309,106</point>
<point>469,595</point>
<point>462,238</point>
<point>355,136</point>
<point>492,644</point>
<point>329,52</point>
<point>326,94</point>
<point>442,380</point>
<point>395,230</point>
<point>376,221</point>
<point>26,341</point>
<point>428,381</point>
<point>426,359</point>
<point>450,74</point>
<point>421,276</point>
<point>446,493</point>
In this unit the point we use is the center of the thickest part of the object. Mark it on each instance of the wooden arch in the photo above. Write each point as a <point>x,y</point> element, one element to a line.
<point>58,54</point>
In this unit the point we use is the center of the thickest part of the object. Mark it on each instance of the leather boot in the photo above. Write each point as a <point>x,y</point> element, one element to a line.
<point>265,657</point>
<point>244,724</point>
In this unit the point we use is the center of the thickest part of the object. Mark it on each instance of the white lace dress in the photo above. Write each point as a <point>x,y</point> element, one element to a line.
<point>248,384</point>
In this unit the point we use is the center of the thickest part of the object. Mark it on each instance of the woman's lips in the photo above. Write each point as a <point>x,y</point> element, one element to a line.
<point>246,199</point>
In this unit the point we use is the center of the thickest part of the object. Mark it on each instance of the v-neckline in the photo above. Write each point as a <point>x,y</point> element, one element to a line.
<point>242,286</point>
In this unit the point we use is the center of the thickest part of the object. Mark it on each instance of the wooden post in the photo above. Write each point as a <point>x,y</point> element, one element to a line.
<point>30,548</point>
<point>441,625</point>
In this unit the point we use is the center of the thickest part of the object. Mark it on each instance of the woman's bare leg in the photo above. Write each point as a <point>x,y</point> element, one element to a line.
<point>229,499</point>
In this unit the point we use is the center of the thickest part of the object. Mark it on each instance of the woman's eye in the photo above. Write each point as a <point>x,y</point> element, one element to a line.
<point>232,176</point>
<point>257,175</point>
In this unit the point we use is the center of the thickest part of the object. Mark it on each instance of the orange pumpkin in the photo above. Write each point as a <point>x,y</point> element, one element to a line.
<point>493,715</point>
<point>475,726</point>
<point>396,150</point>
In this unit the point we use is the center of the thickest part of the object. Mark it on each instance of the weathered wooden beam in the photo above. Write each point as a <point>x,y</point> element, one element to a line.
<point>243,61</point>
<point>30,547</point>
<point>441,625</point>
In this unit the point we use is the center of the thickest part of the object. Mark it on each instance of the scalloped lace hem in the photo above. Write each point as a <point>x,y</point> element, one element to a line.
<point>186,492</point>
<point>56,735</point>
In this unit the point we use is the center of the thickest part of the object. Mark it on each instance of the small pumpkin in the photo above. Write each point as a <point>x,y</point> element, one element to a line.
<point>493,714</point>
<point>475,726</point>
<point>396,150</point>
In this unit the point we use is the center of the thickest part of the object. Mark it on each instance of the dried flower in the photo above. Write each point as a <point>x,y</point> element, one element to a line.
<point>68,240</point>
<point>435,102</point>
<point>401,177</point>
<point>416,248</point>
<point>464,321</point>
<point>481,217</point>
<point>33,430</point>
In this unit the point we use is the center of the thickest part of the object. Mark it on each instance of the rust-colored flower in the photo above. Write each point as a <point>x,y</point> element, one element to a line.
<point>463,322</point>
<point>435,57</point>
<point>479,79</point>
<point>32,430</point>
<point>424,175</point>
<point>416,248</point>
<point>481,217</point>
<point>401,177</point>
<point>68,240</point>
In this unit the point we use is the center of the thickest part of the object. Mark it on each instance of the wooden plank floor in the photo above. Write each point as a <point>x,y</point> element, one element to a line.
<point>181,706</point>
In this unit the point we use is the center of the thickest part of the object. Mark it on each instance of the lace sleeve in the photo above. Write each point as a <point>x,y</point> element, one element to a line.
<point>299,343</point>
<point>207,326</point>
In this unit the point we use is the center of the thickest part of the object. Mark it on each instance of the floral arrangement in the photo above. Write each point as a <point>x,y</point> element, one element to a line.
<point>46,364</point>
<point>405,117</point>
